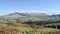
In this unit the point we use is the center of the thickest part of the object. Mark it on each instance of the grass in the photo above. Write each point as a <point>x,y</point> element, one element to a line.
<point>17,28</point>
<point>38,31</point>
<point>52,24</point>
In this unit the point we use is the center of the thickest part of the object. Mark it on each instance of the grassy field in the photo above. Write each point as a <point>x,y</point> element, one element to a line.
<point>18,28</point>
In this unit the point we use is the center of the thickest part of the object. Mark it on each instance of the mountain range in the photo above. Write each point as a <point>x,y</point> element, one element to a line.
<point>26,16</point>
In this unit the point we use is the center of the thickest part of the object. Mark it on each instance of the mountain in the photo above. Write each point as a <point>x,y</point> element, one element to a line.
<point>15,15</point>
<point>23,16</point>
<point>27,16</point>
<point>55,16</point>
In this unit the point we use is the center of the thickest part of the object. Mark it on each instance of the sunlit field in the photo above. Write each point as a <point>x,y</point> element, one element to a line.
<point>18,28</point>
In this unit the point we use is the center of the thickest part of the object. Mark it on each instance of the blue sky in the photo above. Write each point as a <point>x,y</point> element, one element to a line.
<point>43,6</point>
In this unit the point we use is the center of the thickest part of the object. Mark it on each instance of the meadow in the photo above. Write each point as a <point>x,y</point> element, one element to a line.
<point>18,28</point>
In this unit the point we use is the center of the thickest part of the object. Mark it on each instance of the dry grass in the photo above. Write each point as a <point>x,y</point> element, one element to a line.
<point>9,30</point>
<point>17,24</point>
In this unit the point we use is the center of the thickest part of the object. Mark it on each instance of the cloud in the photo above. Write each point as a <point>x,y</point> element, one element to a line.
<point>39,11</point>
<point>30,11</point>
<point>54,12</point>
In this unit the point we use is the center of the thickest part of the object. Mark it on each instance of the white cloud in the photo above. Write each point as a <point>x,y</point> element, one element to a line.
<point>38,11</point>
<point>32,11</point>
<point>54,12</point>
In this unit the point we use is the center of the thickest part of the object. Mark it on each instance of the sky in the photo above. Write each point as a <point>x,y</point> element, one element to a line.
<point>39,6</point>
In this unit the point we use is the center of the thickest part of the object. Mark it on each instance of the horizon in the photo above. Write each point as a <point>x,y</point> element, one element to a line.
<point>38,6</point>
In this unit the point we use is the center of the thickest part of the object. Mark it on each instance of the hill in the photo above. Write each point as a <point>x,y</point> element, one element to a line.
<point>23,16</point>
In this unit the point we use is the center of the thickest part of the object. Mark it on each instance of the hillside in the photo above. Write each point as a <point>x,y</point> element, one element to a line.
<point>17,28</point>
<point>15,15</point>
<point>23,16</point>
